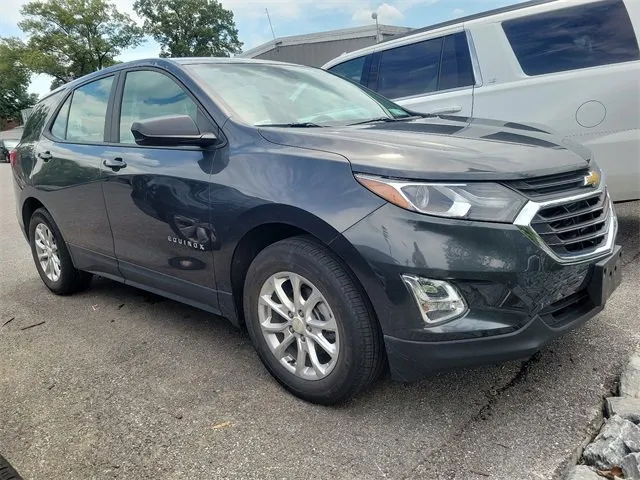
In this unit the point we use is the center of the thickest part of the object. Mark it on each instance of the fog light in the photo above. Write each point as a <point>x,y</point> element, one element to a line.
<point>438,301</point>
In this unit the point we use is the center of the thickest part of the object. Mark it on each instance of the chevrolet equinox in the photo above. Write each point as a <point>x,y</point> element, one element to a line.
<point>345,232</point>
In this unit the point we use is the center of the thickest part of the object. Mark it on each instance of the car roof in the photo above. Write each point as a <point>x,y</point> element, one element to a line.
<point>166,63</point>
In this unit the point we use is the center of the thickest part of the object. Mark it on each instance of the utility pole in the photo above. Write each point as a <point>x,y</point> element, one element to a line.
<point>270,24</point>
<point>374,15</point>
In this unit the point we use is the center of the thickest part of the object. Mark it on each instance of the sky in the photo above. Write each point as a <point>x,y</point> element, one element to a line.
<point>289,17</point>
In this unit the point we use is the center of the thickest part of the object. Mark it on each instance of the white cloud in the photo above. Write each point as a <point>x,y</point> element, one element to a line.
<point>458,12</point>
<point>387,14</point>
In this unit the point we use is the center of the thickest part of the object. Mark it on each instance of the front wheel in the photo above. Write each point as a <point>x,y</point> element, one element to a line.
<point>311,325</point>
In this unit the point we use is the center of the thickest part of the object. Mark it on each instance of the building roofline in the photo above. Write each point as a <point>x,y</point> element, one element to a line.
<point>328,36</point>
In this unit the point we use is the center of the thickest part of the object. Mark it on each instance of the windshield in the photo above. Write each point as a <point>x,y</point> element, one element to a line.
<point>288,95</point>
<point>11,144</point>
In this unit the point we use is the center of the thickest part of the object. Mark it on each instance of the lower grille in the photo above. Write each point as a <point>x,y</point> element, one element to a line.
<point>576,227</point>
<point>567,310</point>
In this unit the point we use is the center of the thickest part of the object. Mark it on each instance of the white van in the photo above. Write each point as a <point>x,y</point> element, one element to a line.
<point>571,65</point>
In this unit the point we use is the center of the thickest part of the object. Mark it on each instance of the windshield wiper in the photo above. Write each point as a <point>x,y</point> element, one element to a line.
<point>385,119</point>
<point>291,125</point>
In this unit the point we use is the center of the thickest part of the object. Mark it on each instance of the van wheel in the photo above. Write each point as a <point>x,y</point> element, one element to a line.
<point>52,258</point>
<point>312,327</point>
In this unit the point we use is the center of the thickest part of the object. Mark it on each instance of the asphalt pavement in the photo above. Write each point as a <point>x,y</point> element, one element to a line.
<point>119,383</point>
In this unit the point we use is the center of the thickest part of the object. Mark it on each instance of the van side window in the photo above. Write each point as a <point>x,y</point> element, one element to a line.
<point>351,69</point>
<point>439,64</point>
<point>88,111</point>
<point>572,38</point>
<point>149,94</point>
<point>456,70</point>
<point>410,70</point>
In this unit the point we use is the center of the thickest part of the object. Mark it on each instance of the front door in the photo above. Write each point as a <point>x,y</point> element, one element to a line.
<point>157,198</point>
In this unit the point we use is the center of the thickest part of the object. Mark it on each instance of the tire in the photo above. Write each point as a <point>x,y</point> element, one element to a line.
<point>357,342</point>
<point>7,472</point>
<point>69,279</point>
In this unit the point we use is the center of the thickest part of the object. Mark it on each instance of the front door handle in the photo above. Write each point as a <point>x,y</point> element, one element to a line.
<point>446,110</point>
<point>45,156</point>
<point>115,164</point>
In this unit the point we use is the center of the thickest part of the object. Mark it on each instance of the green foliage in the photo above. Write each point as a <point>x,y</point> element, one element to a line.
<point>190,28</point>
<point>14,79</point>
<point>71,38</point>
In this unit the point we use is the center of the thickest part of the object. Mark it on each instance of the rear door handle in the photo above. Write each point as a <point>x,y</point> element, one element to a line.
<point>45,156</point>
<point>115,164</point>
<point>446,110</point>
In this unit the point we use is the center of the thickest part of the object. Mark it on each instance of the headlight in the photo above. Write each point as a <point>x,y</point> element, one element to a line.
<point>482,201</point>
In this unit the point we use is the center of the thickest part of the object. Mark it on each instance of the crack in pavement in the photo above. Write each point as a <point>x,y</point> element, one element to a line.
<point>492,397</point>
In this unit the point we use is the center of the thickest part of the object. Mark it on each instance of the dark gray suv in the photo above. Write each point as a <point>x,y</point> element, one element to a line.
<point>344,232</point>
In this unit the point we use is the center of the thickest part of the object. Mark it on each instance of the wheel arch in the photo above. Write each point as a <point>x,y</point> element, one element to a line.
<point>262,229</point>
<point>30,205</point>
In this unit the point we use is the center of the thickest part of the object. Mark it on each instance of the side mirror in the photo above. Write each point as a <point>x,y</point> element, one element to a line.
<point>171,131</point>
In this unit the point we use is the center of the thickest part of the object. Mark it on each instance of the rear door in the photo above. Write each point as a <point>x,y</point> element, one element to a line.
<point>157,198</point>
<point>66,173</point>
<point>434,75</point>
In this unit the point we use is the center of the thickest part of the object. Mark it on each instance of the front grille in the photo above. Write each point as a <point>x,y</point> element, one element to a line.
<point>551,184</point>
<point>575,227</point>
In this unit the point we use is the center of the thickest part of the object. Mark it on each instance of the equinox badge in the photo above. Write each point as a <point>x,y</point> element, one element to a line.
<point>186,243</point>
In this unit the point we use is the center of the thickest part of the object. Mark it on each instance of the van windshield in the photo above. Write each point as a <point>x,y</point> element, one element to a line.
<point>288,95</point>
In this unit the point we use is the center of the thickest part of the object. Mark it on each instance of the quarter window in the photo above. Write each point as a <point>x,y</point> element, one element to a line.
<point>351,69</point>
<point>35,124</point>
<point>148,94</point>
<point>439,64</point>
<point>573,38</point>
<point>59,128</point>
<point>88,111</point>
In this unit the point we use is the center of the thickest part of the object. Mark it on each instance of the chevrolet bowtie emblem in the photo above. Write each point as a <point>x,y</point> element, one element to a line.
<point>592,180</point>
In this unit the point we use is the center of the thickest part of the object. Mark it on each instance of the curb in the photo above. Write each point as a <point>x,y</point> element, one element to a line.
<point>615,452</point>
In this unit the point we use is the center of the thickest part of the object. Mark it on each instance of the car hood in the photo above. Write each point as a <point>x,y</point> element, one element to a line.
<point>442,148</point>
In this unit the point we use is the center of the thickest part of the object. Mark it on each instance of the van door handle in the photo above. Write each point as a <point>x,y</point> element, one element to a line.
<point>446,110</point>
<point>115,164</point>
<point>45,156</point>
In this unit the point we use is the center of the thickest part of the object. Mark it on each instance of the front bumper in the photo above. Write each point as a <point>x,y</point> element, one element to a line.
<point>519,297</point>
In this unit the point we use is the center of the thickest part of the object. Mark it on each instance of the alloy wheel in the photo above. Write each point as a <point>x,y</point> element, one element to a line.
<point>47,252</point>
<point>298,325</point>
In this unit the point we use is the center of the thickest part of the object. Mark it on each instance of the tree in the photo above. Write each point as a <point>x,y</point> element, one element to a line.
<point>14,80</point>
<point>71,38</point>
<point>190,28</point>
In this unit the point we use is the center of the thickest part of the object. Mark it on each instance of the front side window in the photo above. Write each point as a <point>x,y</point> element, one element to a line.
<point>351,69</point>
<point>264,95</point>
<point>573,38</point>
<point>87,112</point>
<point>149,94</point>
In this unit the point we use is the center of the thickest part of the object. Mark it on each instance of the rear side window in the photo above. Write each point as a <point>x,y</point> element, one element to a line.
<point>573,38</point>
<point>439,64</point>
<point>85,120</point>
<point>35,124</point>
<point>351,69</point>
<point>149,94</point>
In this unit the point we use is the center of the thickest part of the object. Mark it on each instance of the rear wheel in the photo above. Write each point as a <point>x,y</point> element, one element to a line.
<point>311,326</point>
<point>52,257</point>
<point>7,472</point>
